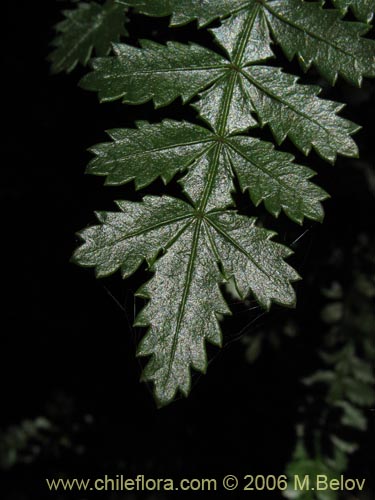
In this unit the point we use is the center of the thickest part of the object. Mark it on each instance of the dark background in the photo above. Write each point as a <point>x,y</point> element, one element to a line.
<point>68,348</point>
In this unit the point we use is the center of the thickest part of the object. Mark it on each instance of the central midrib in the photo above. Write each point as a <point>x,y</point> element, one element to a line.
<point>155,150</point>
<point>181,308</point>
<point>207,191</point>
<point>237,59</point>
<point>122,74</point>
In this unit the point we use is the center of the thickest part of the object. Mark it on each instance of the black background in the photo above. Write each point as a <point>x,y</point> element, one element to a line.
<point>68,346</point>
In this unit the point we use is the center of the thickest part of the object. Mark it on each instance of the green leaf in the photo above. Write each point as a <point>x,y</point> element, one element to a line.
<point>87,26</point>
<point>270,176</point>
<point>165,72</point>
<point>184,11</point>
<point>290,109</point>
<point>293,110</point>
<point>276,98</point>
<point>194,247</point>
<point>148,152</point>
<point>302,466</point>
<point>247,253</point>
<point>352,416</point>
<point>163,149</point>
<point>362,370</point>
<point>362,9</point>
<point>124,239</point>
<point>209,182</point>
<point>158,72</point>
<point>343,445</point>
<point>182,313</point>
<point>302,29</point>
<point>185,298</point>
<point>245,36</point>
<point>320,376</point>
<point>358,392</point>
<point>318,36</point>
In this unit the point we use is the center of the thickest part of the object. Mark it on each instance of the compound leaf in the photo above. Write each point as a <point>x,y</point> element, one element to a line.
<point>240,89</point>
<point>87,26</point>
<point>193,247</point>
<point>302,29</point>
<point>184,295</point>
<point>276,98</point>
<point>289,108</point>
<point>163,149</point>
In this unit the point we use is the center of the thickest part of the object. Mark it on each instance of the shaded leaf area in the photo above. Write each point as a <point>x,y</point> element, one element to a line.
<point>86,27</point>
<point>362,9</point>
<point>304,466</point>
<point>304,29</point>
<point>345,380</point>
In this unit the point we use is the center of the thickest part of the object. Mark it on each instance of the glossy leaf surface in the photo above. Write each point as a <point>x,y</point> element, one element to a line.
<point>195,244</point>
<point>164,149</point>
<point>362,9</point>
<point>303,29</point>
<point>158,72</point>
<point>149,152</point>
<point>183,306</point>
<point>251,94</point>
